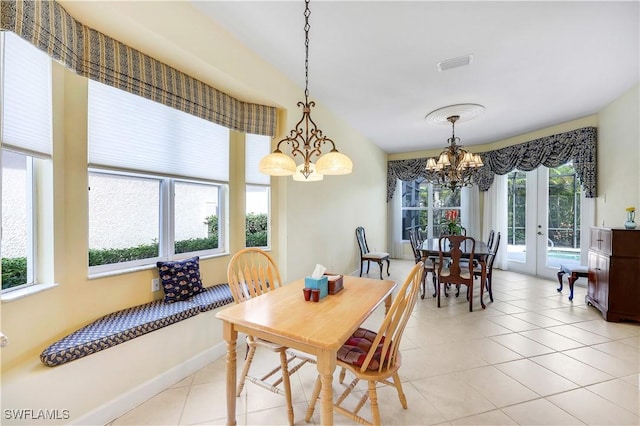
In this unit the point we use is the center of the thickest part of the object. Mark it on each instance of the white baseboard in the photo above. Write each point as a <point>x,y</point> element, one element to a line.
<point>117,407</point>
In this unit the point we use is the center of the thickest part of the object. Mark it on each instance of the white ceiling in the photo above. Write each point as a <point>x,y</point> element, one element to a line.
<point>535,64</point>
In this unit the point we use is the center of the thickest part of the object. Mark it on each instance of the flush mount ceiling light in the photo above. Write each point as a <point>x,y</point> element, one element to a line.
<point>306,140</point>
<point>455,167</point>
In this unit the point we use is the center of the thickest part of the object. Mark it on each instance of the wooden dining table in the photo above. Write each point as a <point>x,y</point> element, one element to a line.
<point>430,247</point>
<point>282,316</point>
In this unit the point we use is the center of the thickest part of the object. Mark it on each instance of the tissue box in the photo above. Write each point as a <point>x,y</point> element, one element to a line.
<point>319,283</point>
<point>335,282</point>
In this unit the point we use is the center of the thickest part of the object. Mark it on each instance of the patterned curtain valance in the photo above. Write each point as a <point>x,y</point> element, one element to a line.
<point>578,145</point>
<point>94,55</point>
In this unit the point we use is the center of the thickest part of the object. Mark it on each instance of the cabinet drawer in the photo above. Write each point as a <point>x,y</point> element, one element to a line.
<point>600,239</point>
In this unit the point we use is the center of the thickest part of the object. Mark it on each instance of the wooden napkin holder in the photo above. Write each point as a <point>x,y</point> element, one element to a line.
<point>335,284</point>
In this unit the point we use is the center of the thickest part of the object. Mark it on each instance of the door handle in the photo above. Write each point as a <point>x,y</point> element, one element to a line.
<point>540,233</point>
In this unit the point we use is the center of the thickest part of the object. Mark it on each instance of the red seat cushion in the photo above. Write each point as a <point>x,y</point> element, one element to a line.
<point>356,348</point>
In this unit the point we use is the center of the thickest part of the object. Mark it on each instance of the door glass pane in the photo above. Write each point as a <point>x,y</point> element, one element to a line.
<point>415,196</point>
<point>196,217</point>
<point>517,200</point>
<point>563,244</point>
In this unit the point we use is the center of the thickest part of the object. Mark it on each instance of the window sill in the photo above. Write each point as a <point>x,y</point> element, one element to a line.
<point>14,295</point>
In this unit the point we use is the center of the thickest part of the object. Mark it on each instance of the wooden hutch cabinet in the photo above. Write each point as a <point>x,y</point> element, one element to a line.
<point>614,273</point>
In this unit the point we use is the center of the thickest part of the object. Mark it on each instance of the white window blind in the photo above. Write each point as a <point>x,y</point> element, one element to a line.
<point>130,132</point>
<point>256,147</point>
<point>26,97</point>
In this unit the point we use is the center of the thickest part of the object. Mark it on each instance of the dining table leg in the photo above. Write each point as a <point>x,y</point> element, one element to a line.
<point>326,363</point>
<point>230,335</point>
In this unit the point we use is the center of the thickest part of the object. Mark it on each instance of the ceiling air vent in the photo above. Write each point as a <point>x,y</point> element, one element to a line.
<point>455,62</point>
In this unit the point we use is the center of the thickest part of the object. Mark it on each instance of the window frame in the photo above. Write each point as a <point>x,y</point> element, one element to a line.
<point>166,231</point>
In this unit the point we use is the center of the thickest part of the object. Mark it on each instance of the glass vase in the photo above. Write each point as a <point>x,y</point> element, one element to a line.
<point>630,223</point>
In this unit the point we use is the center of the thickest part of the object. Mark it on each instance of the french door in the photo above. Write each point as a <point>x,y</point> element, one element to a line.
<point>544,220</point>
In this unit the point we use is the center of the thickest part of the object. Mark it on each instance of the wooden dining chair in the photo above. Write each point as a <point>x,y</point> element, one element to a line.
<point>375,357</point>
<point>428,261</point>
<point>452,268</point>
<point>490,239</point>
<point>368,256</point>
<point>252,272</point>
<point>477,270</point>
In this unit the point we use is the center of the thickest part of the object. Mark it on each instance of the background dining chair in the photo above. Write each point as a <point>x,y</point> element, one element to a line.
<point>477,270</point>
<point>490,239</point>
<point>456,271</point>
<point>368,256</point>
<point>428,261</point>
<point>252,272</point>
<point>375,357</point>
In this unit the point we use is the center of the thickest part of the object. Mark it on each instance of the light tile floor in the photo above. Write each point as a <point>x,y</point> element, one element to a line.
<point>530,358</point>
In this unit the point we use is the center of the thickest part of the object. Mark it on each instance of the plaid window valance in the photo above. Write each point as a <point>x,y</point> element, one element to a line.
<point>94,55</point>
<point>578,145</point>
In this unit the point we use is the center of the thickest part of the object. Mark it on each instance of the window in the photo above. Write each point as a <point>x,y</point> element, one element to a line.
<point>26,156</point>
<point>257,192</point>
<point>424,207</point>
<point>157,182</point>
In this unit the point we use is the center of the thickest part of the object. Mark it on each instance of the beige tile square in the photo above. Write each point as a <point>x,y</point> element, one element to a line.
<point>578,334</point>
<point>619,350</point>
<point>572,369</point>
<point>611,330</point>
<point>620,392</point>
<point>537,319</point>
<point>452,397</point>
<point>603,361</point>
<point>552,340</point>
<point>497,387</point>
<point>163,409</point>
<point>512,323</point>
<point>540,412</point>
<point>522,345</point>
<point>495,417</point>
<point>491,352</point>
<point>592,409</point>
<point>535,377</point>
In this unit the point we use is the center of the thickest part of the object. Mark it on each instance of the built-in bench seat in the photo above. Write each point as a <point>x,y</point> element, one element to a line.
<point>121,326</point>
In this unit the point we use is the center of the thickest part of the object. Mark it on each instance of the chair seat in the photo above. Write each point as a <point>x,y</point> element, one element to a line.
<point>355,349</point>
<point>445,273</point>
<point>376,255</point>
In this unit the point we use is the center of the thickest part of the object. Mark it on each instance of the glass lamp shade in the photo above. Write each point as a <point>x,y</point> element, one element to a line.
<point>277,164</point>
<point>334,163</point>
<point>313,177</point>
<point>444,159</point>
<point>431,164</point>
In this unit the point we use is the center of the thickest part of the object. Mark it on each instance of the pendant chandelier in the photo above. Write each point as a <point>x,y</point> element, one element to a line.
<point>455,167</point>
<point>306,140</point>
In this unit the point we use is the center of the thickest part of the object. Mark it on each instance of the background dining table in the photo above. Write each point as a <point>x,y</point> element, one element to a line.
<point>430,247</point>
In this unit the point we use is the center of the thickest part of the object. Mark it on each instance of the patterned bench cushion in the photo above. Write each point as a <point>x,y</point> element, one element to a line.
<point>119,327</point>
<point>115,328</point>
<point>213,297</point>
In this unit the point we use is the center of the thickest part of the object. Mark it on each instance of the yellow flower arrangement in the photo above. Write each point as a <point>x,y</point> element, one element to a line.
<point>631,209</point>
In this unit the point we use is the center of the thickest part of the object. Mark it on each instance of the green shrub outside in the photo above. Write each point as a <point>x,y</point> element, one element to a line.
<point>14,270</point>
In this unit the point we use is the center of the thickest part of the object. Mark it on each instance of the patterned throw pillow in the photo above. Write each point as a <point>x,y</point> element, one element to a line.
<point>356,348</point>
<point>180,279</point>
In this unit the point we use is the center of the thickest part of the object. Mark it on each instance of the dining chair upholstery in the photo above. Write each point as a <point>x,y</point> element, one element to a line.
<point>375,357</point>
<point>368,256</point>
<point>452,268</point>
<point>477,271</point>
<point>490,240</point>
<point>251,272</point>
<point>430,262</point>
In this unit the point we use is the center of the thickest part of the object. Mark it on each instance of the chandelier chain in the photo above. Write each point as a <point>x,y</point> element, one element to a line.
<point>307,13</point>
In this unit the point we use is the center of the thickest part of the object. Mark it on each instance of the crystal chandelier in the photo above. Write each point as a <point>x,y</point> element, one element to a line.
<point>306,140</point>
<point>455,166</point>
